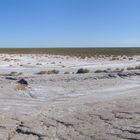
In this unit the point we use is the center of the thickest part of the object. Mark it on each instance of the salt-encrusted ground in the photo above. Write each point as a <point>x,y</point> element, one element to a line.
<point>91,106</point>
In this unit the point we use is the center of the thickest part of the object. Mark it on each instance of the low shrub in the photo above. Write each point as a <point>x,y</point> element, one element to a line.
<point>117,69</point>
<point>66,72</point>
<point>48,72</point>
<point>130,68</point>
<point>137,67</point>
<point>130,58</point>
<point>124,57</point>
<point>134,68</point>
<point>82,71</point>
<point>53,72</point>
<point>42,72</point>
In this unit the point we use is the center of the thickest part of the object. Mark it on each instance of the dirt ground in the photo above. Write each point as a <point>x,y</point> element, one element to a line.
<point>89,106</point>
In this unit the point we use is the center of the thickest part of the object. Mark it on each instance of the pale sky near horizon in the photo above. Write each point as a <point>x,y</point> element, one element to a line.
<point>69,23</point>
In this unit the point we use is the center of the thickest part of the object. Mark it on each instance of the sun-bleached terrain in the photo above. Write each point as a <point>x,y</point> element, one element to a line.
<point>60,104</point>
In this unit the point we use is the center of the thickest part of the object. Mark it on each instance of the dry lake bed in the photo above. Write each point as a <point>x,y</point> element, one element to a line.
<point>56,97</point>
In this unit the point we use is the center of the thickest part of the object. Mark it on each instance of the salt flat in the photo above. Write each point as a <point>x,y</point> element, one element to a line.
<point>101,105</point>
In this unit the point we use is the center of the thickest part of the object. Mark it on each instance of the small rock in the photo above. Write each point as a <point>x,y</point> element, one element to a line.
<point>22,81</point>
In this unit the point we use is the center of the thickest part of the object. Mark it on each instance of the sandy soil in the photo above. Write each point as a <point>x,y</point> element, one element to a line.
<point>90,106</point>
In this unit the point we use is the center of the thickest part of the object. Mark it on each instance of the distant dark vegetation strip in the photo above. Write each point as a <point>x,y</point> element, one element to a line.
<point>80,52</point>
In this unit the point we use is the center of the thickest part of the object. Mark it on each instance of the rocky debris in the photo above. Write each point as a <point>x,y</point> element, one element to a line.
<point>95,77</point>
<point>137,73</point>
<point>126,74</point>
<point>112,75</point>
<point>122,74</point>
<point>10,78</point>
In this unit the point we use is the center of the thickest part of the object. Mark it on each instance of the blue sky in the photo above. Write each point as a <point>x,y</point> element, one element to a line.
<point>69,23</point>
